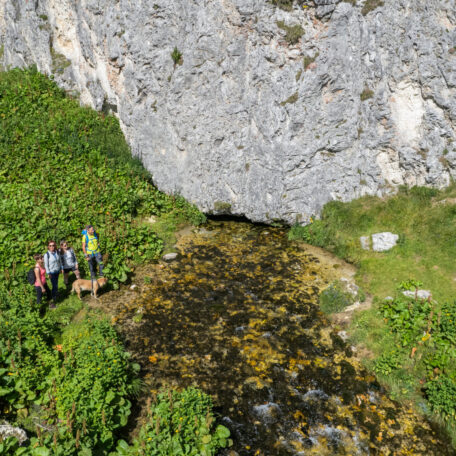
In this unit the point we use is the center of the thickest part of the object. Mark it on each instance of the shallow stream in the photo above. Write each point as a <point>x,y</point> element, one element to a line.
<point>237,315</point>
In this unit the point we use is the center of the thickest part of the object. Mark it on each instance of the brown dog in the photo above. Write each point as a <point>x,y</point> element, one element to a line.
<point>86,285</point>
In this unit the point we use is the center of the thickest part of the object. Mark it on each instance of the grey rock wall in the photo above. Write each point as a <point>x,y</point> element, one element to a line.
<point>246,122</point>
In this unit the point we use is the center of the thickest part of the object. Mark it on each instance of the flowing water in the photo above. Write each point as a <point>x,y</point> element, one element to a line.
<point>237,315</point>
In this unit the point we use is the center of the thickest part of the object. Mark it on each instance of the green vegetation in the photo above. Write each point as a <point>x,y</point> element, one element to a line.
<point>69,382</point>
<point>181,421</point>
<point>222,206</point>
<point>370,5</point>
<point>335,298</point>
<point>366,94</point>
<point>352,2</point>
<point>286,5</point>
<point>412,341</point>
<point>309,60</point>
<point>176,55</point>
<point>293,33</point>
<point>59,61</point>
<point>291,99</point>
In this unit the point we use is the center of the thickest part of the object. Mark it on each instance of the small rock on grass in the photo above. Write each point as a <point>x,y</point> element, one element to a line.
<point>384,241</point>
<point>365,242</point>
<point>421,294</point>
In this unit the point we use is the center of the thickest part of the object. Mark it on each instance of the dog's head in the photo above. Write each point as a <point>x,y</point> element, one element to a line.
<point>102,281</point>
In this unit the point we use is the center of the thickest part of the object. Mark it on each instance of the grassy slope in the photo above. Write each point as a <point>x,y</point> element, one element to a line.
<point>425,221</point>
<point>427,244</point>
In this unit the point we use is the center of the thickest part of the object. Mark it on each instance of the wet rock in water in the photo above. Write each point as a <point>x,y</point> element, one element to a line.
<point>421,294</point>
<point>268,413</point>
<point>170,256</point>
<point>381,242</point>
<point>343,335</point>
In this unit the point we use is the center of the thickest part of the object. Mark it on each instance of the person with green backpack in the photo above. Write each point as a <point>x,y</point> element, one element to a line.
<point>91,249</point>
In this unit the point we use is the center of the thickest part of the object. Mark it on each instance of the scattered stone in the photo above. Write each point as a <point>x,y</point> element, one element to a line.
<point>382,242</point>
<point>350,286</point>
<point>421,294</point>
<point>268,413</point>
<point>365,242</point>
<point>343,335</point>
<point>170,256</point>
<point>388,298</point>
<point>352,307</point>
<point>133,286</point>
<point>152,219</point>
<point>6,430</point>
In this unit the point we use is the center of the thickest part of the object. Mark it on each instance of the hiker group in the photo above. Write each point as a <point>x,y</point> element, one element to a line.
<point>63,261</point>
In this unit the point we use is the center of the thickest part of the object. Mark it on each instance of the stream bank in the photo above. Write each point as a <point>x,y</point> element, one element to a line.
<point>237,314</point>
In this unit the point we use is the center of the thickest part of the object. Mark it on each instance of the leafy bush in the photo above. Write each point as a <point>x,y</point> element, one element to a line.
<point>179,423</point>
<point>407,317</point>
<point>89,390</point>
<point>387,363</point>
<point>441,394</point>
<point>314,233</point>
<point>335,298</point>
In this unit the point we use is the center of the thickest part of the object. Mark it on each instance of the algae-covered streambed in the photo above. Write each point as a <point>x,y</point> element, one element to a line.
<point>237,314</point>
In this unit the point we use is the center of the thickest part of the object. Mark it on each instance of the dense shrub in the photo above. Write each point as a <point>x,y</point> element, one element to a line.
<point>335,298</point>
<point>179,423</point>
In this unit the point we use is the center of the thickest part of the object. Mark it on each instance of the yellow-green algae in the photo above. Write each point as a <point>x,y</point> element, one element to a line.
<point>237,314</point>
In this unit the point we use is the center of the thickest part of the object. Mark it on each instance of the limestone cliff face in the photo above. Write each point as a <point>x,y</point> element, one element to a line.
<point>251,120</point>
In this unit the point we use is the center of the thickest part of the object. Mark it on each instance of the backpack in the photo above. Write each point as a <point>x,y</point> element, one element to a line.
<point>31,279</point>
<point>84,233</point>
